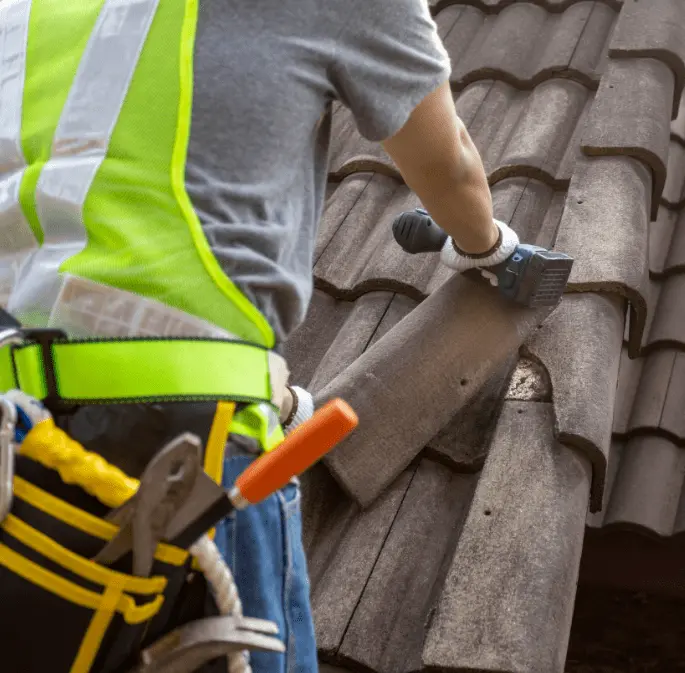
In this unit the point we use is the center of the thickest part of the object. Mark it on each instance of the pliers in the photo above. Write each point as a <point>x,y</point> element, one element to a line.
<point>190,647</point>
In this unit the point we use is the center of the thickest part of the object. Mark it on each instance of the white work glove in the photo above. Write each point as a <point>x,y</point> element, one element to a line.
<point>303,409</point>
<point>462,262</point>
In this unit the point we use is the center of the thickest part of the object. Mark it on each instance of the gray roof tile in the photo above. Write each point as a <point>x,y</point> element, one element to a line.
<point>498,45</point>
<point>409,571</point>
<point>580,345</point>
<point>647,487</point>
<point>570,103</point>
<point>627,117</point>
<point>653,30</point>
<point>507,602</point>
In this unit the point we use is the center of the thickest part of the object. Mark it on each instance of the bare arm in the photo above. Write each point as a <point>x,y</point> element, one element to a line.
<point>439,161</point>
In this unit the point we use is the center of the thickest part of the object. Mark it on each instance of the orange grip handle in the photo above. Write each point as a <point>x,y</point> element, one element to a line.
<point>305,445</point>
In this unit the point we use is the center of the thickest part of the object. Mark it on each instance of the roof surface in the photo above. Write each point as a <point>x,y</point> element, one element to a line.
<point>423,554</point>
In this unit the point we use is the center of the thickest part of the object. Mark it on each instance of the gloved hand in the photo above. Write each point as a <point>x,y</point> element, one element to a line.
<point>302,409</point>
<point>460,261</point>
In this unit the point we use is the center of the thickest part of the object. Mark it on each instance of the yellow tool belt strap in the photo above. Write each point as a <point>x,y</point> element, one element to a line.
<point>46,365</point>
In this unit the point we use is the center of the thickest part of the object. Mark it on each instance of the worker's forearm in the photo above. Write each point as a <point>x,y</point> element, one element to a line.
<point>439,161</point>
<point>458,198</point>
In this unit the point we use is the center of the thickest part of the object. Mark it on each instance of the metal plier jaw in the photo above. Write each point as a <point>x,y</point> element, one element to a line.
<point>188,648</point>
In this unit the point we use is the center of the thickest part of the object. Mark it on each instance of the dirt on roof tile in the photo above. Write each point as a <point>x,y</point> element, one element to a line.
<point>463,444</point>
<point>573,108</point>
<point>411,383</point>
<point>408,571</point>
<point>580,347</point>
<point>507,601</point>
<point>344,555</point>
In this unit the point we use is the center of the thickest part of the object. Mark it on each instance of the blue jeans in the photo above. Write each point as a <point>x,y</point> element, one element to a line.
<point>263,547</point>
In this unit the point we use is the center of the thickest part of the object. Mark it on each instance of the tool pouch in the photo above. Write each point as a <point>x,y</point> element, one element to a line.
<point>60,611</point>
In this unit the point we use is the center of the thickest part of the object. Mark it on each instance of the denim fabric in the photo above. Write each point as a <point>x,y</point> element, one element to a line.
<point>263,546</point>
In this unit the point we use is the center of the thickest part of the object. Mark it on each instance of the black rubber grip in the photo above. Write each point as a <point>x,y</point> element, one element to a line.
<point>416,232</point>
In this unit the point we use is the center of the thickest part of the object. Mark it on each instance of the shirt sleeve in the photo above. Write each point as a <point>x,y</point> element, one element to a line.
<point>388,58</point>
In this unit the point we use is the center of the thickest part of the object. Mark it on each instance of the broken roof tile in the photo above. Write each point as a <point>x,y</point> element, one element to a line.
<point>580,345</point>
<point>529,99</point>
<point>627,117</point>
<point>653,30</point>
<point>387,629</point>
<point>529,382</point>
<point>527,514</point>
<point>464,442</point>
<point>498,45</point>
<point>411,383</point>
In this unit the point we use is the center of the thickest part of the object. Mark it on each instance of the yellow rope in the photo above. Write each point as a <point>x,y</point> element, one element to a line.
<point>53,448</point>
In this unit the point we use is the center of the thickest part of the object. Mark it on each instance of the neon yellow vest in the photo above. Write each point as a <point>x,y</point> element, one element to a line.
<point>94,129</point>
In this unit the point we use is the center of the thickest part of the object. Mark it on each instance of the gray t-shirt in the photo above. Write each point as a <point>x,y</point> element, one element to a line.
<point>265,75</point>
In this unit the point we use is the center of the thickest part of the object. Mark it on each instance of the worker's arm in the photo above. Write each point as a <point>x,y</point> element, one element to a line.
<point>439,161</point>
<point>392,71</point>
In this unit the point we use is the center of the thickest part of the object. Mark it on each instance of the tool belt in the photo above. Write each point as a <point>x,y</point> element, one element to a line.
<point>61,610</point>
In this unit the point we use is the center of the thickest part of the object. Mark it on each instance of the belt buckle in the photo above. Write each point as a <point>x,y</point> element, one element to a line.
<point>44,337</point>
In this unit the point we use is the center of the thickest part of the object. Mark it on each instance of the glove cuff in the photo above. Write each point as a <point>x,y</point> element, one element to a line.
<point>303,408</point>
<point>460,261</point>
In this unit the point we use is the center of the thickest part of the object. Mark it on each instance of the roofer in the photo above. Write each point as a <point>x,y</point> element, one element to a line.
<point>162,174</point>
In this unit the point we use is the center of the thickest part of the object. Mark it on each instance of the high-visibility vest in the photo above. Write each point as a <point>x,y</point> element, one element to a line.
<point>97,231</point>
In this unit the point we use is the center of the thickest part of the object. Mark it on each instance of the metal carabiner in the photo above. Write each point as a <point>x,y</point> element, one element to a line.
<point>8,423</point>
<point>11,337</point>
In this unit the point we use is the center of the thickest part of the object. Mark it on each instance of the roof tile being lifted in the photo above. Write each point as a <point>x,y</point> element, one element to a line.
<point>576,109</point>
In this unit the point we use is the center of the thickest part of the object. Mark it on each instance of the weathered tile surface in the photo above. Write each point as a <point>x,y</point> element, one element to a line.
<point>577,111</point>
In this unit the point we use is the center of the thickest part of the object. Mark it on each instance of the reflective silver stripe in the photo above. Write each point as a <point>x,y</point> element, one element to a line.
<point>16,237</point>
<point>79,147</point>
<point>271,418</point>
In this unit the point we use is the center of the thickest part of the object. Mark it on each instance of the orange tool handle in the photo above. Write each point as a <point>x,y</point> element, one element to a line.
<point>303,447</point>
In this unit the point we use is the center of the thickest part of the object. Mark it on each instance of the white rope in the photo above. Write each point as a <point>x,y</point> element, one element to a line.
<point>220,579</point>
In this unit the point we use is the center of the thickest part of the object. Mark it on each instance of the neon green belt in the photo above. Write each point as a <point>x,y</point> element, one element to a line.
<point>47,366</point>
